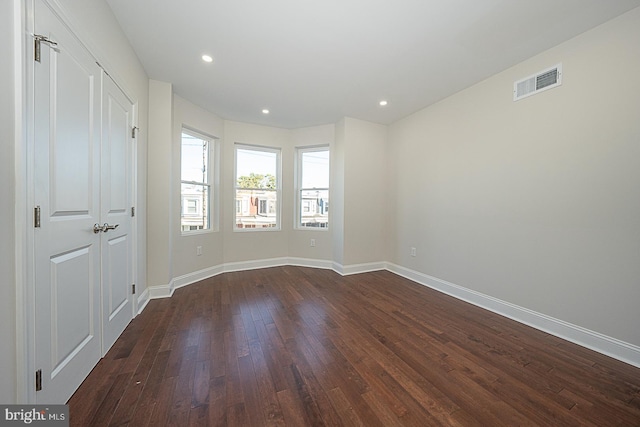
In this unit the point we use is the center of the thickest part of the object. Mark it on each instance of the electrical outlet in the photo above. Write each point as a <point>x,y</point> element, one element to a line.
<point>198,250</point>
<point>413,251</point>
<point>313,243</point>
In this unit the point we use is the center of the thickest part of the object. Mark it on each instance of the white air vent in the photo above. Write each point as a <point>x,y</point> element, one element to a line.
<point>539,82</point>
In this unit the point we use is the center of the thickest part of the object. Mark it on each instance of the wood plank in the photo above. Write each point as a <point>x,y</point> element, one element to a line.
<point>267,396</point>
<point>217,402</point>
<point>164,402</point>
<point>151,390</point>
<point>292,410</point>
<point>294,346</point>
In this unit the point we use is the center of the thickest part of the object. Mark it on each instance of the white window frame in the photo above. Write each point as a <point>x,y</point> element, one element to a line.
<point>278,190</point>
<point>186,206</point>
<point>298,189</point>
<point>212,184</point>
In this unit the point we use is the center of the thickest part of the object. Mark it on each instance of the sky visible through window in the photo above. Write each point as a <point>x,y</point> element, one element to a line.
<point>315,163</point>
<point>257,162</point>
<point>315,169</point>
<point>194,164</point>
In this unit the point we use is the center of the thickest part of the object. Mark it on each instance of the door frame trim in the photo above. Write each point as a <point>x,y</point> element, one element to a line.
<point>23,82</point>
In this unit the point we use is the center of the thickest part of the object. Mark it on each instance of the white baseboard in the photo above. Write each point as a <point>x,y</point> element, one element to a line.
<point>196,276</point>
<point>160,291</point>
<point>348,270</point>
<point>143,300</point>
<point>165,291</point>
<point>609,346</point>
<point>254,264</point>
<point>313,263</point>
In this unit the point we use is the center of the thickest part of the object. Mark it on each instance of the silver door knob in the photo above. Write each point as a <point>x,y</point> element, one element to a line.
<point>106,227</point>
<point>97,228</point>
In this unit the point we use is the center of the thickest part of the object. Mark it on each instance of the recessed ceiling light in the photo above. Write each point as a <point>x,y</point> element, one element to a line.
<point>207,58</point>
<point>383,103</point>
<point>265,111</point>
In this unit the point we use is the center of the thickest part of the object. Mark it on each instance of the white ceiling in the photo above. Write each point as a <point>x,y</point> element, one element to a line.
<point>313,62</point>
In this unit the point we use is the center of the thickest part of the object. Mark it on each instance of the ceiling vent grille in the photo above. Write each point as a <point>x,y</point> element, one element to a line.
<point>546,79</point>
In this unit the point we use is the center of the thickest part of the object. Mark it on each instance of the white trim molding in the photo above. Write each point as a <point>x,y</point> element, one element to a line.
<point>165,291</point>
<point>143,300</point>
<point>159,291</point>
<point>188,279</point>
<point>592,340</point>
<point>313,263</point>
<point>348,270</point>
<point>254,264</point>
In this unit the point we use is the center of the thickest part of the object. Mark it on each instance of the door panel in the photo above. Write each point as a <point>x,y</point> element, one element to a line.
<point>70,317</point>
<point>72,144</point>
<point>66,178</point>
<point>117,145</point>
<point>118,296</point>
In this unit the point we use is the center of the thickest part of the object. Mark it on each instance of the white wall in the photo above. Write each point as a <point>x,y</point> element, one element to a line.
<point>533,202</point>
<point>299,239</point>
<point>159,195</point>
<point>366,202</point>
<point>172,256</point>
<point>359,195</point>
<point>336,194</point>
<point>7,208</point>
<point>255,245</point>
<point>358,229</point>
<point>355,188</point>
<point>184,247</point>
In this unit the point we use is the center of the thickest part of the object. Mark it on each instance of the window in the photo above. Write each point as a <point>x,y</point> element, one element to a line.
<point>192,206</point>
<point>262,207</point>
<point>195,175</point>
<point>312,187</point>
<point>257,188</point>
<point>242,206</point>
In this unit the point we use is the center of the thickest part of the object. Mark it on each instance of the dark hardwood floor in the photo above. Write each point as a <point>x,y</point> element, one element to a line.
<point>304,347</point>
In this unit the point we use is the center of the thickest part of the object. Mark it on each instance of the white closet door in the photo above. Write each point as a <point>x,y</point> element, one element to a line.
<point>116,189</point>
<point>67,189</point>
<point>83,251</point>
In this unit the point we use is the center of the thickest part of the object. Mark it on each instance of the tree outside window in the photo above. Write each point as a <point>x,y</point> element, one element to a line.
<point>257,188</point>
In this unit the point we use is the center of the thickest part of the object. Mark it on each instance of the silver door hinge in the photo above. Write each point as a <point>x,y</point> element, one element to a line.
<point>37,40</point>
<point>39,380</point>
<point>133,289</point>
<point>134,131</point>
<point>133,211</point>
<point>36,217</point>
